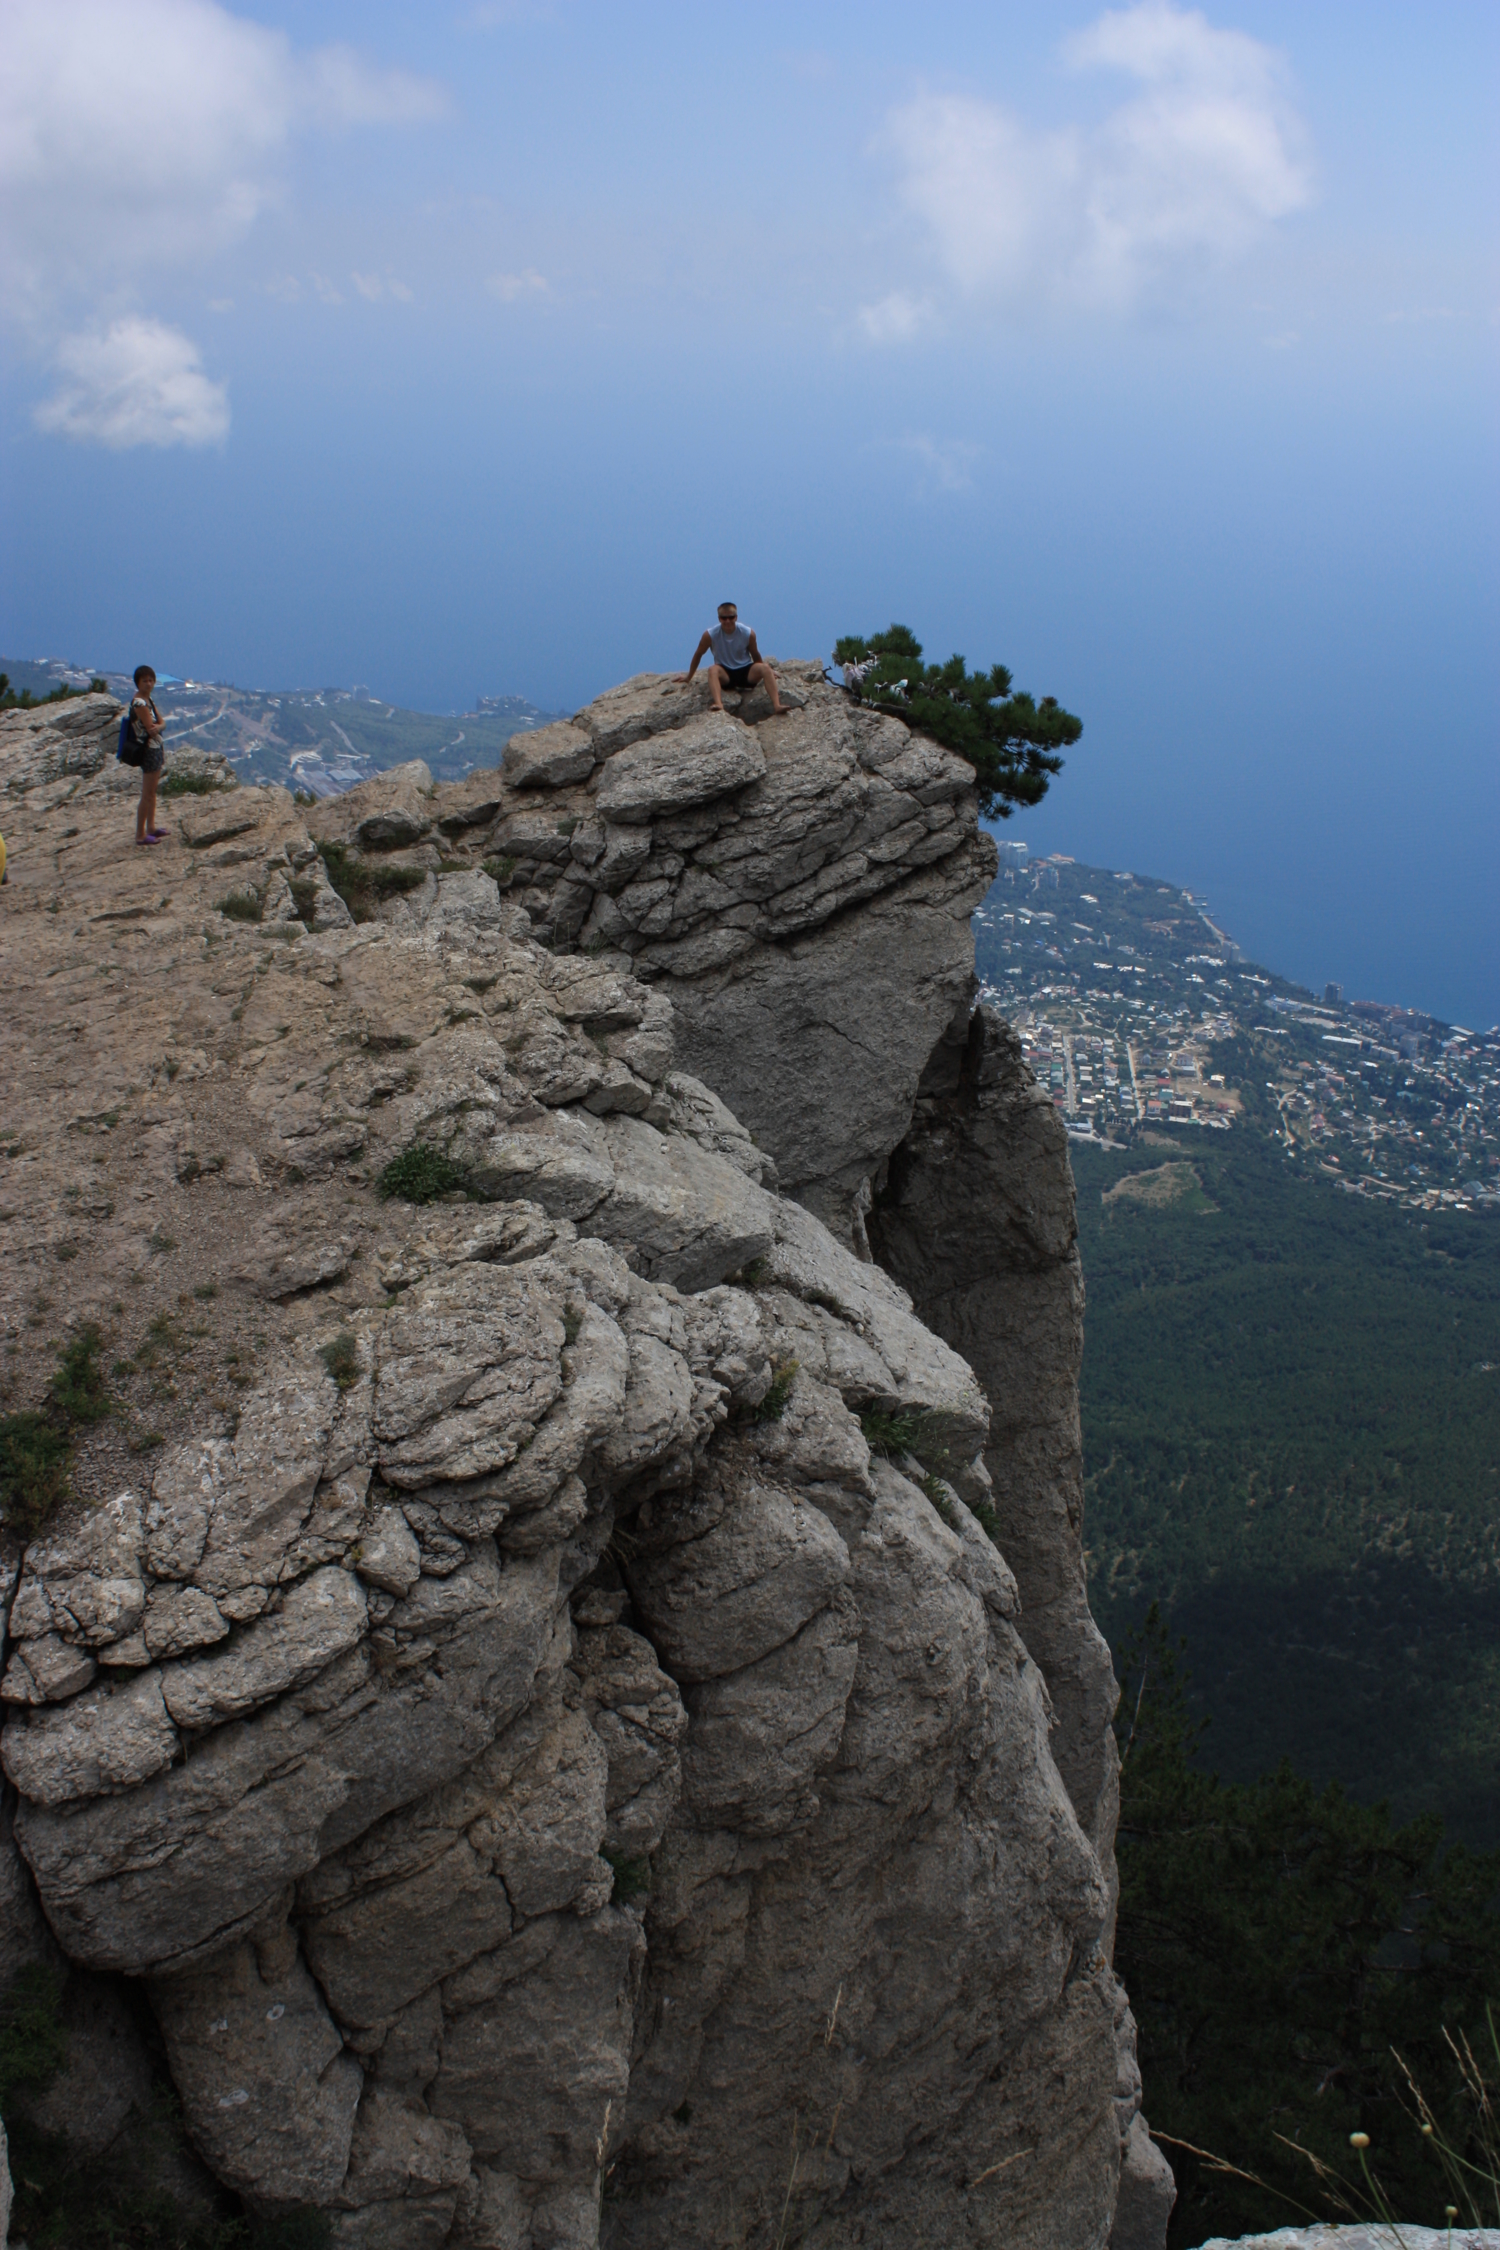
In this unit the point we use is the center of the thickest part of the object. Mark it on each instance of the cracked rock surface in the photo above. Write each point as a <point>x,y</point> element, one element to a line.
<point>552,1783</point>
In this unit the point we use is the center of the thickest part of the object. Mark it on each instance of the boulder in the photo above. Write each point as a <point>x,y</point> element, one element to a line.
<point>390,809</point>
<point>706,758</point>
<point>550,757</point>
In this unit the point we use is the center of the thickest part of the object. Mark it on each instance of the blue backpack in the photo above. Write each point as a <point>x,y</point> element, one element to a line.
<point>127,751</point>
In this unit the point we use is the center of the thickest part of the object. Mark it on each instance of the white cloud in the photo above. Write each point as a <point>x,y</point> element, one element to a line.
<point>509,286</point>
<point>949,464</point>
<point>1190,172</point>
<point>894,319</point>
<point>138,383</point>
<point>138,134</point>
<point>375,286</point>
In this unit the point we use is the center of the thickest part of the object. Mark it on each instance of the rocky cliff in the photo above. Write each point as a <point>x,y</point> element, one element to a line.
<point>523,1716</point>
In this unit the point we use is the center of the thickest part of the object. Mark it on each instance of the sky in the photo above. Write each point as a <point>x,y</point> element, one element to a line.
<point>481,349</point>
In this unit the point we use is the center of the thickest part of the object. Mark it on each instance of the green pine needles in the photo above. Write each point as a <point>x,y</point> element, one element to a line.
<point>1014,743</point>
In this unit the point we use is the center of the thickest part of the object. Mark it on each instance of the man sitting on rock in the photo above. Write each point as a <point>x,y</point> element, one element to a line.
<point>737,663</point>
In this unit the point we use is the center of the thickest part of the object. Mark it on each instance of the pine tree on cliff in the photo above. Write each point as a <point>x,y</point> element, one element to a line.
<point>1013,742</point>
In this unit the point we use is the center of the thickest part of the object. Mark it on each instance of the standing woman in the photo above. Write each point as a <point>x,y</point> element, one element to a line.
<point>150,754</point>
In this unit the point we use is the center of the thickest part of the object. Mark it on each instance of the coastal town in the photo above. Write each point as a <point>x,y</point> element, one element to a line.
<point>1138,1012</point>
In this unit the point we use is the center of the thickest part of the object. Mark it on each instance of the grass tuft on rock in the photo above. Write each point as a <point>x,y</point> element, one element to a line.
<point>363,883</point>
<point>773,1405</point>
<point>192,785</point>
<point>888,1435</point>
<point>420,1174</point>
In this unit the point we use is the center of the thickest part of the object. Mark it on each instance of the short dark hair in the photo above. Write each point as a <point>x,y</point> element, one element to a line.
<point>143,672</point>
<point>731,605</point>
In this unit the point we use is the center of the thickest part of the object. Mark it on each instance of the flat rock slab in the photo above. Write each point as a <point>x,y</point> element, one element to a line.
<point>1363,2238</point>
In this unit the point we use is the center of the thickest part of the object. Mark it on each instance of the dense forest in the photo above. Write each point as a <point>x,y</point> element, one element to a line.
<point>1306,1975</point>
<point>1291,1415</point>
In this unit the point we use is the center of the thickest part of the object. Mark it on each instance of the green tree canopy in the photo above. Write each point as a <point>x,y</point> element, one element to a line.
<point>1283,1947</point>
<point>1013,742</point>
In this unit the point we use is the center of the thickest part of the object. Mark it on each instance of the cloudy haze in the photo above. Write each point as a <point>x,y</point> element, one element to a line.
<point>482,350</point>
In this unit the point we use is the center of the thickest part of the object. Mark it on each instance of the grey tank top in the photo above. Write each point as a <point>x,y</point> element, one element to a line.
<point>731,648</point>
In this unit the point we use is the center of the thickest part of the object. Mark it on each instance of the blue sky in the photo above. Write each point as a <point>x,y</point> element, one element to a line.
<point>480,350</point>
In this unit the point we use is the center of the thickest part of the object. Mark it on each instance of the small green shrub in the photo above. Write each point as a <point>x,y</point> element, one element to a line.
<point>78,1385</point>
<point>420,1175</point>
<point>304,897</point>
<point>341,1358</point>
<point>33,1471</point>
<point>390,882</point>
<point>189,785</point>
<point>986,1518</point>
<point>632,1877</point>
<point>501,868</point>
<point>889,1434</point>
<point>937,1493</point>
<point>572,1324</point>
<point>205,1290</point>
<point>773,1405</point>
<point>240,906</point>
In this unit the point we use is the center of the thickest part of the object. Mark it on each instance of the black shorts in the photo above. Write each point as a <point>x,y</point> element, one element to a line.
<point>151,757</point>
<point>736,676</point>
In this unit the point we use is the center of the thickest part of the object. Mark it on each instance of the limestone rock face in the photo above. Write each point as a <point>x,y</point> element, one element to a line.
<point>801,886</point>
<point>554,1784</point>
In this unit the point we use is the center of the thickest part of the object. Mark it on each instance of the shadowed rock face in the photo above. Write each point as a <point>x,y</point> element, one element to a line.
<point>554,1784</point>
<point>974,1214</point>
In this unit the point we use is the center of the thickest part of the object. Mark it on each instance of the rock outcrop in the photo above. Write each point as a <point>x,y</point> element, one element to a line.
<point>801,886</point>
<point>536,1711</point>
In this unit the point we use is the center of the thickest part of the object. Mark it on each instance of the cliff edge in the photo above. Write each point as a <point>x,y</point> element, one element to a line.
<point>521,1718</point>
